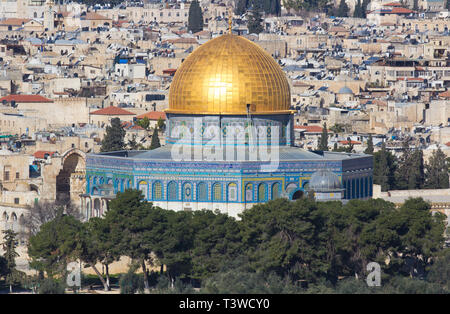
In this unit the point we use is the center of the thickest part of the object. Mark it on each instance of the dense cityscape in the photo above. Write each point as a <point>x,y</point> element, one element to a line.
<point>225,146</point>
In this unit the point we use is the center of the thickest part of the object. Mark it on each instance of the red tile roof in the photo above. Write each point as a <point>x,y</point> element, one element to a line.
<point>346,142</point>
<point>130,125</point>
<point>309,128</point>
<point>445,94</point>
<point>393,4</point>
<point>153,115</point>
<point>113,111</point>
<point>94,16</point>
<point>14,21</point>
<point>400,11</point>
<point>40,154</point>
<point>25,98</point>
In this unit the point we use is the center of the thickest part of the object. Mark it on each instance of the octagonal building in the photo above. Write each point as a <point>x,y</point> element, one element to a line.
<point>229,141</point>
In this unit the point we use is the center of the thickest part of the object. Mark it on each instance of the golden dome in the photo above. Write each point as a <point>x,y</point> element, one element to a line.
<point>225,74</point>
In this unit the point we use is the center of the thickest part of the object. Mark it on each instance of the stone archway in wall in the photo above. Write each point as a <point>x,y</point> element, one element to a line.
<point>71,181</point>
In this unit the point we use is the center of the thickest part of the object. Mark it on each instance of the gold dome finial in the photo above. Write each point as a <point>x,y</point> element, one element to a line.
<point>230,19</point>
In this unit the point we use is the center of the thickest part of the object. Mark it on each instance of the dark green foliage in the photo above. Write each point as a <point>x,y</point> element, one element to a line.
<point>406,285</point>
<point>410,173</point>
<point>323,142</point>
<point>9,247</point>
<point>369,149</point>
<point>130,283</point>
<point>437,171</point>
<point>268,6</point>
<point>155,140</point>
<point>144,123</point>
<point>364,5</point>
<point>254,23</point>
<point>195,19</point>
<point>57,243</point>
<point>245,282</point>
<point>51,286</point>
<point>308,5</point>
<point>133,144</point>
<point>440,270</point>
<point>114,137</point>
<point>358,10</point>
<point>384,167</point>
<point>343,9</point>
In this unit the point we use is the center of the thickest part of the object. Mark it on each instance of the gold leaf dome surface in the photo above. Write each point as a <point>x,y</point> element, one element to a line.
<point>225,74</point>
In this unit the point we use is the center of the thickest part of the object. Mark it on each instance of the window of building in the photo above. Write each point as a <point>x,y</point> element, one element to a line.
<point>202,194</point>
<point>232,192</point>
<point>217,192</point>
<point>249,192</point>
<point>275,191</point>
<point>6,176</point>
<point>16,200</point>
<point>157,191</point>
<point>172,191</point>
<point>17,175</point>
<point>262,192</point>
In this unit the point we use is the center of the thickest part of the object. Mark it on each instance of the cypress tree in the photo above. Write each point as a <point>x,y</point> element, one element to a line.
<point>155,140</point>
<point>437,171</point>
<point>343,9</point>
<point>9,247</point>
<point>195,19</point>
<point>364,5</point>
<point>358,9</point>
<point>254,23</point>
<point>384,169</point>
<point>114,137</point>
<point>369,149</point>
<point>323,142</point>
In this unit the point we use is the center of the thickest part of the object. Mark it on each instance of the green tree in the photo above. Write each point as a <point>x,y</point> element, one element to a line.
<point>155,140</point>
<point>195,19</point>
<point>97,247</point>
<point>136,228</point>
<point>439,272</point>
<point>161,124</point>
<point>114,137</point>
<point>358,10</point>
<point>241,7</point>
<point>369,149</point>
<point>254,23</point>
<point>132,143</point>
<point>411,171</point>
<point>323,141</point>
<point>144,123</point>
<point>384,168</point>
<point>216,241</point>
<point>343,9</point>
<point>364,5</point>
<point>286,238</point>
<point>437,171</point>
<point>9,247</point>
<point>57,243</point>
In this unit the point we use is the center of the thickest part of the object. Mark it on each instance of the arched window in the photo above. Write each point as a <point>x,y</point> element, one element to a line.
<point>172,193</point>
<point>275,190</point>
<point>5,216</point>
<point>262,192</point>
<point>202,192</point>
<point>157,191</point>
<point>217,192</point>
<point>249,192</point>
<point>143,187</point>
<point>232,192</point>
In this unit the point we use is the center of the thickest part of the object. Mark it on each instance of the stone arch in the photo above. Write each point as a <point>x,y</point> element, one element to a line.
<point>71,179</point>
